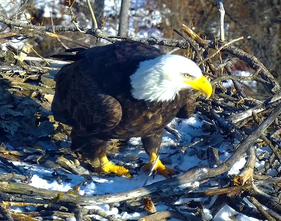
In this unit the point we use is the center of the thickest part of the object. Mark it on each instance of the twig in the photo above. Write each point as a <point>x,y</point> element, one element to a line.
<point>73,18</point>
<point>237,78</point>
<point>11,176</point>
<point>220,48</point>
<point>8,35</point>
<point>35,52</point>
<point>187,40</point>
<point>268,180</point>
<point>58,39</point>
<point>173,132</point>
<point>230,191</point>
<point>194,36</point>
<point>238,204</point>
<point>250,140</point>
<point>275,149</point>
<point>51,61</point>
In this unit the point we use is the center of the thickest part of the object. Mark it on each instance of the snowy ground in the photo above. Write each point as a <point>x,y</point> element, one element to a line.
<point>190,130</point>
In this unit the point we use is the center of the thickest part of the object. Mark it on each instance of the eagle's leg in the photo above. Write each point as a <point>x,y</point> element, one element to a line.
<point>95,150</point>
<point>152,146</point>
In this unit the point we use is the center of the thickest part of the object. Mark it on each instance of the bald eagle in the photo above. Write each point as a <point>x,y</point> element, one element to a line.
<point>124,90</point>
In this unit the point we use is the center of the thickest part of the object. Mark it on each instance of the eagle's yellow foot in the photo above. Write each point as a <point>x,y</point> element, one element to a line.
<point>159,167</point>
<point>109,167</point>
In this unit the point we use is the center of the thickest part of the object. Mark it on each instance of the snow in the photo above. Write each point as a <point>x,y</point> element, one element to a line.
<point>38,182</point>
<point>235,170</point>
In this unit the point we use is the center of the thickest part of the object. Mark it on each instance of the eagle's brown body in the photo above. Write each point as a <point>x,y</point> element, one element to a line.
<point>93,95</point>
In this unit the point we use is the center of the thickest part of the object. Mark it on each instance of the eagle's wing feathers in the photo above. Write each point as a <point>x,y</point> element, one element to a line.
<point>81,102</point>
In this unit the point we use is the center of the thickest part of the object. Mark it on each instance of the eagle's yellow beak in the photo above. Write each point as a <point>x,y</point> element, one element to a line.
<point>200,84</point>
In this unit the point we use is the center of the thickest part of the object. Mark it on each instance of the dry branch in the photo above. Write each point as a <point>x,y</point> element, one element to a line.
<point>47,30</point>
<point>269,103</point>
<point>255,63</point>
<point>230,191</point>
<point>271,202</point>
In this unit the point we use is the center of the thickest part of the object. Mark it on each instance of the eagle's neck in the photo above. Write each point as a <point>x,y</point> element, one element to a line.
<point>157,80</point>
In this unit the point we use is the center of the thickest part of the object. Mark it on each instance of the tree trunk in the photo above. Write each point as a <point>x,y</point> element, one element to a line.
<point>124,15</point>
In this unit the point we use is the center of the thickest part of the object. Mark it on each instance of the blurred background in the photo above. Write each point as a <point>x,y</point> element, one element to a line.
<point>259,22</point>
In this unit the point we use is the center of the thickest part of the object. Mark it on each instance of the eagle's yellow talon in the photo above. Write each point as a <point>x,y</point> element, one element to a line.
<point>159,167</point>
<point>109,167</point>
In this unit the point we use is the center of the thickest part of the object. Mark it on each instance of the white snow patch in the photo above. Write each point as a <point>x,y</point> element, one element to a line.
<point>38,182</point>
<point>135,141</point>
<point>207,214</point>
<point>237,166</point>
<point>259,164</point>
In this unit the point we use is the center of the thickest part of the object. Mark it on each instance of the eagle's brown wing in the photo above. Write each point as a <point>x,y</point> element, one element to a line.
<point>81,103</point>
<point>87,90</point>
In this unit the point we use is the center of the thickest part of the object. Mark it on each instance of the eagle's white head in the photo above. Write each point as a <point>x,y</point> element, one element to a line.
<point>161,79</point>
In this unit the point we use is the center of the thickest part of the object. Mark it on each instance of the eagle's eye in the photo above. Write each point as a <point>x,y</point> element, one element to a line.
<point>187,76</point>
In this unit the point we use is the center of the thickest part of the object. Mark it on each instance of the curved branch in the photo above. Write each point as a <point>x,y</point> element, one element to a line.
<point>255,63</point>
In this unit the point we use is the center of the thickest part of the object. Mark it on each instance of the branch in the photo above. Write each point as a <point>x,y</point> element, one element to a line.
<point>94,32</point>
<point>222,47</point>
<point>272,101</point>
<point>93,15</point>
<point>255,64</point>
